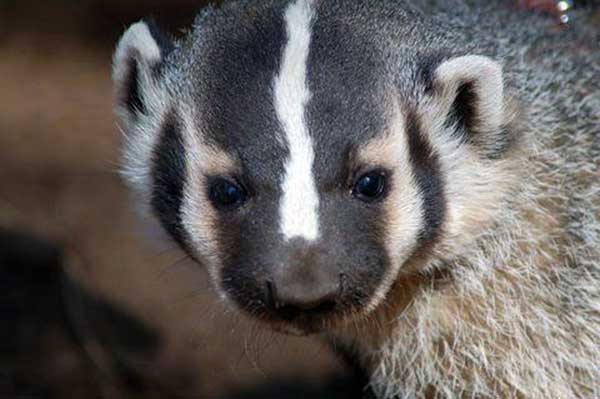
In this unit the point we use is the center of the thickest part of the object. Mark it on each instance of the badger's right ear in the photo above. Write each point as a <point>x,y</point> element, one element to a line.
<point>469,93</point>
<point>139,55</point>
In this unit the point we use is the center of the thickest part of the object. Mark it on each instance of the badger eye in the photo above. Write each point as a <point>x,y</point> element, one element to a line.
<point>225,194</point>
<point>369,186</point>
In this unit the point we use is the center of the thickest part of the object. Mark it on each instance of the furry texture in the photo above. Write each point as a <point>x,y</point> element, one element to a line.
<point>135,56</point>
<point>300,205</point>
<point>404,210</point>
<point>516,311</point>
<point>505,301</point>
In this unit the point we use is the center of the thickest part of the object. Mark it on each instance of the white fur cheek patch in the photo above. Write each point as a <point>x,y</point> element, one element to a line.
<point>198,216</point>
<point>403,207</point>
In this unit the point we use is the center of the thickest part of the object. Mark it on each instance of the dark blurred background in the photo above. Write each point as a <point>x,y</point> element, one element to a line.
<point>89,307</point>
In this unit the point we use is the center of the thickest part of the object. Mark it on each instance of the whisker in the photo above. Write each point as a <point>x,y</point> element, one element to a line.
<point>177,263</point>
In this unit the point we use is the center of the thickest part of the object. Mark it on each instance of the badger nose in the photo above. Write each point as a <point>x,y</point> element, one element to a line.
<point>303,290</point>
<point>291,296</point>
<point>305,281</point>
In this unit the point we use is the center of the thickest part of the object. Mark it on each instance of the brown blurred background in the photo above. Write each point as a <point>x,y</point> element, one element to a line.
<point>89,307</point>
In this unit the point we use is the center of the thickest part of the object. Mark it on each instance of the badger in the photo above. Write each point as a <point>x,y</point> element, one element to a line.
<point>418,184</point>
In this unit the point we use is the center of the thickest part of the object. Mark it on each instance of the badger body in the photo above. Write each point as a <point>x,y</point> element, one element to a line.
<point>418,183</point>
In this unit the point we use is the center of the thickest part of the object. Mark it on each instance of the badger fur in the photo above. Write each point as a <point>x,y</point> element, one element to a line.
<point>418,183</point>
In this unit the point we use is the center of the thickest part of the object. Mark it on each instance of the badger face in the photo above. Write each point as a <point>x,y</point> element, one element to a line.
<point>281,151</point>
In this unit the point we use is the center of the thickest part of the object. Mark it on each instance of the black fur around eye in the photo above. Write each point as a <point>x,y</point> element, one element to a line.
<point>369,186</point>
<point>225,195</point>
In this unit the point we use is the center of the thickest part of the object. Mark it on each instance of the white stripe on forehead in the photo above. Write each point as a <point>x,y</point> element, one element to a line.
<point>300,203</point>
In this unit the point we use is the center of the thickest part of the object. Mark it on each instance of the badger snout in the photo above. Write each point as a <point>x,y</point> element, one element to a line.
<point>304,283</point>
<point>304,286</point>
<point>292,297</point>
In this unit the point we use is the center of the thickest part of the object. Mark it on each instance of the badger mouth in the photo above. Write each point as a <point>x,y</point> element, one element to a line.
<point>308,319</point>
<point>299,304</point>
<point>307,322</point>
<point>298,321</point>
<point>315,312</point>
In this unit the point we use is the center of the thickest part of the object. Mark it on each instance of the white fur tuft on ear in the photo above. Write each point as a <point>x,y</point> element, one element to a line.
<point>140,101</point>
<point>136,56</point>
<point>136,39</point>
<point>485,80</point>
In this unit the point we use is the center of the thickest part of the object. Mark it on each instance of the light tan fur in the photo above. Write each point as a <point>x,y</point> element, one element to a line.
<point>507,304</point>
<point>403,209</point>
<point>197,214</point>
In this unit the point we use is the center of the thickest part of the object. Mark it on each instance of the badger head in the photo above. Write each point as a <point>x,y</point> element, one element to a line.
<point>307,160</point>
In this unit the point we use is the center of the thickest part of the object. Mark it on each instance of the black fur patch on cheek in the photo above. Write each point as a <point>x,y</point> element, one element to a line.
<point>428,175</point>
<point>169,177</point>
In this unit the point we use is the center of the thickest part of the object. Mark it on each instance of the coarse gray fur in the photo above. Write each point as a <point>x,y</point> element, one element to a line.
<point>504,304</point>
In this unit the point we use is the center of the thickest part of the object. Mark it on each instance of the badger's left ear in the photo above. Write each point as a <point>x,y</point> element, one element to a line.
<point>139,55</point>
<point>470,91</point>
